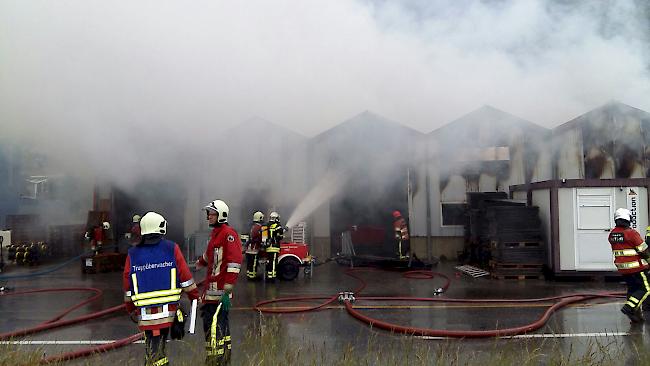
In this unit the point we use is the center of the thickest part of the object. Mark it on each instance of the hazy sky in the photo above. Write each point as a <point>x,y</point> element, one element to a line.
<point>90,71</point>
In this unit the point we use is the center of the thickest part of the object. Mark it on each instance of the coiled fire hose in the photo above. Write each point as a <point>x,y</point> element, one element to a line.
<point>396,328</point>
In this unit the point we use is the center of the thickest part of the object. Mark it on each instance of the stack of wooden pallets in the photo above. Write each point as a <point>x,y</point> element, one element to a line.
<point>516,245</point>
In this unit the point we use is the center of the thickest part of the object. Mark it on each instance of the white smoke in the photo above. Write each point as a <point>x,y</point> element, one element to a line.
<point>133,90</point>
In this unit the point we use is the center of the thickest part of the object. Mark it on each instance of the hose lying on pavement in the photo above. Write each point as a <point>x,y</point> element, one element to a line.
<point>409,330</point>
<point>56,322</point>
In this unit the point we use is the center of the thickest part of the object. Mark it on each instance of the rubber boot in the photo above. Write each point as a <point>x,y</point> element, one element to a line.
<point>634,315</point>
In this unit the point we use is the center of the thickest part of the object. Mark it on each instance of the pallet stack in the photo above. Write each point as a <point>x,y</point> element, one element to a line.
<point>66,240</point>
<point>477,230</point>
<point>26,228</point>
<point>516,245</point>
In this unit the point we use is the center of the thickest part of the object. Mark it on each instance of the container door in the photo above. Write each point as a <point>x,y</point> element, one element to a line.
<point>593,223</point>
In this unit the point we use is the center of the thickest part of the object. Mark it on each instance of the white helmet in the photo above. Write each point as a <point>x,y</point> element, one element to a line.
<point>274,217</point>
<point>153,223</point>
<point>623,214</point>
<point>221,208</point>
<point>258,216</point>
<point>136,218</point>
<point>106,225</point>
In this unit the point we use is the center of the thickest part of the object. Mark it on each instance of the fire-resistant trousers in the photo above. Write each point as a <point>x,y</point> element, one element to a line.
<point>217,335</point>
<point>155,348</point>
<point>403,248</point>
<point>271,267</point>
<point>251,265</point>
<point>638,289</point>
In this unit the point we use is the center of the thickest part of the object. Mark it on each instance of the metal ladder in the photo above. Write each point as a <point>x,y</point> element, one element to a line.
<point>299,233</point>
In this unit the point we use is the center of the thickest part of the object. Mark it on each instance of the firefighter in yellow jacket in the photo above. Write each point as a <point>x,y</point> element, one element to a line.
<point>272,235</point>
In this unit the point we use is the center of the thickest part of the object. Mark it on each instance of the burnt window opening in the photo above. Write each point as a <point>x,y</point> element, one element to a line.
<point>453,214</point>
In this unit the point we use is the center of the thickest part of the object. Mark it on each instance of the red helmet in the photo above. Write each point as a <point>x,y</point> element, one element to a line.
<point>397,214</point>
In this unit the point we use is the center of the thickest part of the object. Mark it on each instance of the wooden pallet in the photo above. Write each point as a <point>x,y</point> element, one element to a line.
<point>528,266</point>
<point>517,277</point>
<point>472,271</point>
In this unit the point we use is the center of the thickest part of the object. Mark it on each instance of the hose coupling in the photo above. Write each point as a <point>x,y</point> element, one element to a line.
<point>438,291</point>
<point>346,296</point>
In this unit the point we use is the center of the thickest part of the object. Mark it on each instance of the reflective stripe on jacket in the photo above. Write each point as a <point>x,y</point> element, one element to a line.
<point>153,273</point>
<point>626,245</point>
<point>223,258</point>
<point>401,229</point>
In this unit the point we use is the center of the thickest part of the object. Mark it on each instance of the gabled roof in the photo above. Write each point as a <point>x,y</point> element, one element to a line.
<point>269,129</point>
<point>610,109</point>
<point>485,125</point>
<point>367,126</point>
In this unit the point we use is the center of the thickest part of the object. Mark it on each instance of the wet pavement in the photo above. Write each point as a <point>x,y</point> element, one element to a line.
<point>332,330</point>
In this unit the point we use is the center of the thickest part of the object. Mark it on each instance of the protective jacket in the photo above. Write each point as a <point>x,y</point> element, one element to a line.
<point>153,279</point>
<point>401,229</point>
<point>135,234</point>
<point>223,258</point>
<point>627,247</point>
<point>272,234</point>
<point>255,239</point>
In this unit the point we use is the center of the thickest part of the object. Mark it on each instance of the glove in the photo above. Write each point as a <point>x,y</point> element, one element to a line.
<point>225,298</point>
<point>225,301</point>
<point>644,254</point>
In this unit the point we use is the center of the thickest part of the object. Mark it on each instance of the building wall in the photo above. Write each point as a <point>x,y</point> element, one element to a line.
<point>542,199</point>
<point>569,160</point>
<point>441,246</point>
<point>320,247</point>
<point>543,169</point>
<point>418,205</point>
<point>566,224</point>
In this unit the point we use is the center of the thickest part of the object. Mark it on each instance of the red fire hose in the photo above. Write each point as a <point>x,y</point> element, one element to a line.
<point>396,328</point>
<point>56,322</point>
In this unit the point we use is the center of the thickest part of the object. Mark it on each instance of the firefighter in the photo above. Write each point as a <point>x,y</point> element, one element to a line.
<point>223,258</point>
<point>274,233</point>
<point>630,257</point>
<point>253,245</point>
<point>97,235</point>
<point>134,233</point>
<point>401,231</point>
<point>155,275</point>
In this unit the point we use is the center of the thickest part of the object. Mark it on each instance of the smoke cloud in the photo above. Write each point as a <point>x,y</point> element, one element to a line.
<point>126,91</point>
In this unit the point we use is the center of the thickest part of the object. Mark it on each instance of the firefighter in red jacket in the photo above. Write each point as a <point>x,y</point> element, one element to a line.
<point>134,234</point>
<point>155,275</point>
<point>97,235</point>
<point>223,258</point>
<point>253,245</point>
<point>401,235</point>
<point>630,258</point>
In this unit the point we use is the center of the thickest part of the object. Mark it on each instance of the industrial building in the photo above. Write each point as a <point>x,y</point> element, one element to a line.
<point>559,187</point>
<point>368,167</point>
